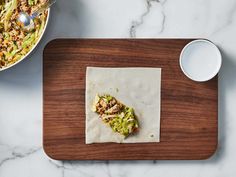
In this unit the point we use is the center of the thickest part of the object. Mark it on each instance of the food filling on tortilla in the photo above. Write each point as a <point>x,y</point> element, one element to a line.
<point>119,117</point>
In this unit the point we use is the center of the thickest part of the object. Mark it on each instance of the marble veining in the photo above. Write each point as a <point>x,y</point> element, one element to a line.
<point>21,152</point>
<point>137,23</point>
<point>15,153</point>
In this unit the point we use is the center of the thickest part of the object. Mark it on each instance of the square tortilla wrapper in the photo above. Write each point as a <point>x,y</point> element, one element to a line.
<point>139,88</point>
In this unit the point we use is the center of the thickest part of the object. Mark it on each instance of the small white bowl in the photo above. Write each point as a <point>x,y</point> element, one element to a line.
<point>32,49</point>
<point>200,60</point>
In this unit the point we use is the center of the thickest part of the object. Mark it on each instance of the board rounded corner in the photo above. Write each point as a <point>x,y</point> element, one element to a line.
<point>49,43</point>
<point>212,153</point>
<point>47,153</point>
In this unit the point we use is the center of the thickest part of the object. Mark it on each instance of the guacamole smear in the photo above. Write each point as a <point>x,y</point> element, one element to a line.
<point>119,117</point>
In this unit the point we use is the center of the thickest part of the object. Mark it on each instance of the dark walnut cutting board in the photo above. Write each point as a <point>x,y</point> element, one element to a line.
<point>188,109</point>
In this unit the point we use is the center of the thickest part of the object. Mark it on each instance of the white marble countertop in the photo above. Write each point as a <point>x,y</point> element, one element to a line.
<point>21,152</point>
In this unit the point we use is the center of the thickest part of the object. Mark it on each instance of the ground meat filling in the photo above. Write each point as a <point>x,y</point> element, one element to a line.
<point>120,117</point>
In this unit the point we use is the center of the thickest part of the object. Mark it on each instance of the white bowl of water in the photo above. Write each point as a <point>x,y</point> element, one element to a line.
<point>200,60</point>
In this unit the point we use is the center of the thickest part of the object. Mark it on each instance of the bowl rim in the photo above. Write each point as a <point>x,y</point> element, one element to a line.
<point>32,49</point>
<point>218,58</point>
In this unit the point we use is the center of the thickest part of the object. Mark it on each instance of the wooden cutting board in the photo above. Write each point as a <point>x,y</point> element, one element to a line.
<point>188,108</point>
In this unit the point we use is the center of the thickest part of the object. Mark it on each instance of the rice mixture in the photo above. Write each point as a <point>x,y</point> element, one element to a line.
<point>15,42</point>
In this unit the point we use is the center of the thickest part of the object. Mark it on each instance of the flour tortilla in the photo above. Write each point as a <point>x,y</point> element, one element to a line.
<point>138,88</point>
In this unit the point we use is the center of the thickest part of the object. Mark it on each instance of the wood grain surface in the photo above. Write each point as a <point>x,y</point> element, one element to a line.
<point>188,109</point>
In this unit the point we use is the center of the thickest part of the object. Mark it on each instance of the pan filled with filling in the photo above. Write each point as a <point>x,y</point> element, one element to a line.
<point>15,42</point>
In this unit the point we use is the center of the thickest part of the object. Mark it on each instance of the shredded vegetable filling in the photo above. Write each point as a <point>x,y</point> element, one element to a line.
<point>15,42</point>
<point>120,117</point>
